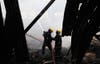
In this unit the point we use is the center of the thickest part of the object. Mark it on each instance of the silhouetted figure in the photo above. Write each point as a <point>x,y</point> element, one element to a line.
<point>86,24</point>
<point>58,45</point>
<point>14,33</point>
<point>47,40</point>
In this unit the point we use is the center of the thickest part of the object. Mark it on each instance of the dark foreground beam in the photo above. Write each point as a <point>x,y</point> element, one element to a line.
<point>14,32</point>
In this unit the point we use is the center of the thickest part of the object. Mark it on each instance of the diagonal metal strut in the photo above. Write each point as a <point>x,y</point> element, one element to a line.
<point>39,15</point>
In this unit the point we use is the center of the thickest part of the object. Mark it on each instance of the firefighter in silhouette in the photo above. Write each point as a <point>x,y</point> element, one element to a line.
<point>47,40</point>
<point>58,44</point>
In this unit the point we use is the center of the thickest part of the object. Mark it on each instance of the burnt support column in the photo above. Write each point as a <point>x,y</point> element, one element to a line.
<point>14,32</point>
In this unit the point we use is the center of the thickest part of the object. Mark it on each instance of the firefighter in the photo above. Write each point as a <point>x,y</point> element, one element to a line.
<point>58,43</point>
<point>47,40</point>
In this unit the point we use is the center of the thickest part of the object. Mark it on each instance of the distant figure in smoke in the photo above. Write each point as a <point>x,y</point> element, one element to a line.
<point>47,40</point>
<point>58,43</point>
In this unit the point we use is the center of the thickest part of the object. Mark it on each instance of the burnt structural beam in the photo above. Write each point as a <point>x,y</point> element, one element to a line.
<point>1,21</point>
<point>14,33</point>
<point>2,41</point>
<point>39,15</point>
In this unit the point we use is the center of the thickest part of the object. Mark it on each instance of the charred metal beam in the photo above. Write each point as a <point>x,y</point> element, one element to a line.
<point>39,15</point>
<point>1,20</point>
<point>14,32</point>
<point>2,40</point>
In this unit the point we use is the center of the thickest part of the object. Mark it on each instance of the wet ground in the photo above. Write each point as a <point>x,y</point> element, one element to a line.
<point>39,58</point>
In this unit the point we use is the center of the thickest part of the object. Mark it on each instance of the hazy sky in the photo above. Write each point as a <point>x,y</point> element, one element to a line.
<point>53,17</point>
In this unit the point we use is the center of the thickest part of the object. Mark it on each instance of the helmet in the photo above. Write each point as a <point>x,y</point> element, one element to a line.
<point>50,29</point>
<point>58,30</point>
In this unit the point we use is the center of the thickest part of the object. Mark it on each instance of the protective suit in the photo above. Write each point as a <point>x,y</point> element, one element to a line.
<point>58,43</point>
<point>47,41</point>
